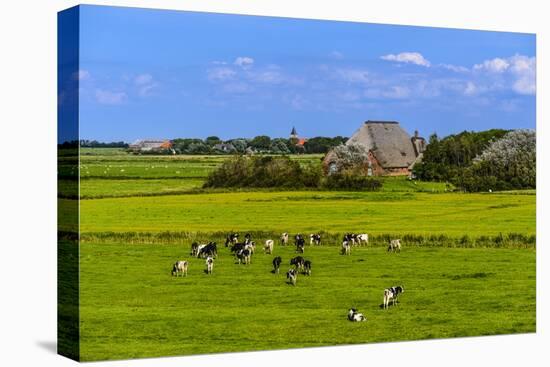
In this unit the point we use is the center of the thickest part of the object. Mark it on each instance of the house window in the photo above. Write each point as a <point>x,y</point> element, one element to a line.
<point>332,168</point>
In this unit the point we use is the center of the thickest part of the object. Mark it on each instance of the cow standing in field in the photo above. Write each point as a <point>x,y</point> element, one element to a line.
<point>351,238</point>
<point>250,246</point>
<point>277,264</point>
<point>180,267</point>
<point>307,267</point>
<point>391,294</point>
<point>362,239</point>
<point>247,238</point>
<point>291,275</point>
<point>231,239</point>
<point>284,239</point>
<point>209,264</point>
<point>194,249</point>
<point>300,243</point>
<point>346,248</point>
<point>268,247</point>
<point>244,256</point>
<point>298,262</point>
<point>209,250</point>
<point>314,239</point>
<point>395,245</point>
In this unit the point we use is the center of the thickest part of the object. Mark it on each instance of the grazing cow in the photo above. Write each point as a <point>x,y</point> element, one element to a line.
<point>268,247</point>
<point>194,249</point>
<point>231,238</point>
<point>351,238</point>
<point>199,248</point>
<point>277,264</point>
<point>314,239</point>
<point>355,316</point>
<point>209,250</point>
<point>180,267</point>
<point>209,264</point>
<point>362,239</point>
<point>346,248</point>
<point>395,245</point>
<point>244,256</point>
<point>307,267</point>
<point>291,275</point>
<point>298,262</point>
<point>237,247</point>
<point>250,246</point>
<point>391,294</point>
<point>284,239</point>
<point>300,243</point>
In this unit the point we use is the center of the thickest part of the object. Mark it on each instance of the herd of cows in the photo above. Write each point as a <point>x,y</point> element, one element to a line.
<point>243,251</point>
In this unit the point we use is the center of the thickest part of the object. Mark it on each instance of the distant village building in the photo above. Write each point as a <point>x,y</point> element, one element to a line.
<point>225,147</point>
<point>150,146</point>
<point>391,150</point>
<point>298,142</point>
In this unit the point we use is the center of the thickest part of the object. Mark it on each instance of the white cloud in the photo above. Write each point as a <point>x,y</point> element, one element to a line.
<point>221,74</point>
<point>521,69</point>
<point>455,68</point>
<point>353,75</point>
<point>407,57</point>
<point>145,84</point>
<point>109,97</point>
<point>496,65</point>
<point>143,79</point>
<point>237,88</point>
<point>244,62</point>
<point>397,92</point>
<point>83,75</point>
<point>470,89</point>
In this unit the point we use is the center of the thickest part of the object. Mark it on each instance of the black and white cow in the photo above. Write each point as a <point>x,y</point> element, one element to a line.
<point>392,294</point>
<point>284,239</point>
<point>307,267</point>
<point>362,238</point>
<point>355,316</point>
<point>346,248</point>
<point>231,238</point>
<point>395,246</point>
<point>237,247</point>
<point>244,256</point>
<point>209,264</point>
<point>268,247</point>
<point>247,238</point>
<point>250,246</point>
<point>300,243</point>
<point>194,249</point>
<point>298,262</point>
<point>291,275</point>
<point>277,264</point>
<point>315,238</point>
<point>351,238</point>
<point>211,249</point>
<point>180,267</point>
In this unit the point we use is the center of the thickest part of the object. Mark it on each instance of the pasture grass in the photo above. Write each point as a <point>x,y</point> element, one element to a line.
<point>131,307</point>
<point>452,214</point>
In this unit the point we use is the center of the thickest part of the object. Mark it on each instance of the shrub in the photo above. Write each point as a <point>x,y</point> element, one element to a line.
<point>351,180</point>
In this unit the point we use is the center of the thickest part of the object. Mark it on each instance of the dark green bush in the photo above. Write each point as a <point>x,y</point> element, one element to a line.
<point>351,181</point>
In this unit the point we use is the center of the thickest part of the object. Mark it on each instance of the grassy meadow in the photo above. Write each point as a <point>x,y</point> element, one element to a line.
<point>468,261</point>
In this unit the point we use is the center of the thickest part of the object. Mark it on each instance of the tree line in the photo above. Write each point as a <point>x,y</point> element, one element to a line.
<point>481,161</point>
<point>259,144</point>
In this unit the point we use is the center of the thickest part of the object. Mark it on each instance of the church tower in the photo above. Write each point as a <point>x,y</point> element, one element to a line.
<point>293,133</point>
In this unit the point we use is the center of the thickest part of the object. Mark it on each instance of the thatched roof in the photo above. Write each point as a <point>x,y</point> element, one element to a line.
<point>390,144</point>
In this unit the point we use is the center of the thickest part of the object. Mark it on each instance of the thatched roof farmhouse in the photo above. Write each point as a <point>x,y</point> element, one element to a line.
<point>391,150</point>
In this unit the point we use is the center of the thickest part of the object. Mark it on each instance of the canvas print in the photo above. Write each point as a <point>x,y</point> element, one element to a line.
<point>235,183</point>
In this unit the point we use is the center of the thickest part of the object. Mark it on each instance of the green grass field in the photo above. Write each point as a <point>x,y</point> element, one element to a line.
<point>131,306</point>
<point>141,213</point>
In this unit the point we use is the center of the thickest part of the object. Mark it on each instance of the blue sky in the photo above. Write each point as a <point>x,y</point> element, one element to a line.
<point>166,74</point>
